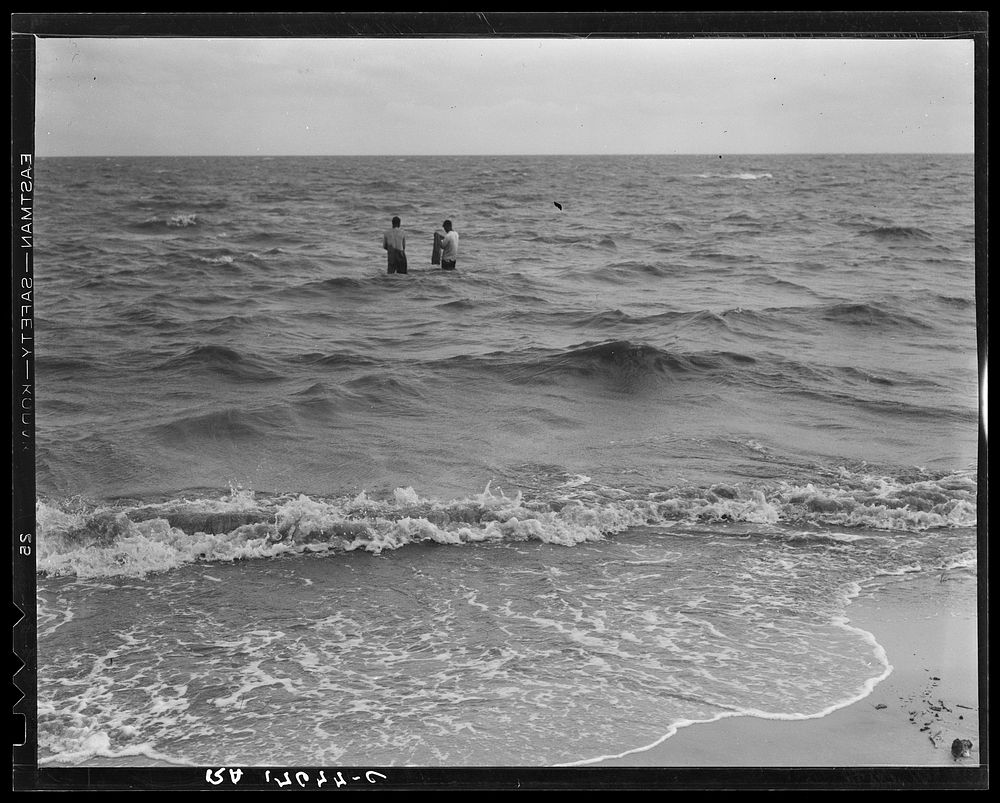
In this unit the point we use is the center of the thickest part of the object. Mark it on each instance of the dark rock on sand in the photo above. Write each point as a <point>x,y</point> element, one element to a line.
<point>961,748</point>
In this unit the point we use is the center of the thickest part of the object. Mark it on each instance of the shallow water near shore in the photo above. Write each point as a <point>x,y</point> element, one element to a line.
<point>927,625</point>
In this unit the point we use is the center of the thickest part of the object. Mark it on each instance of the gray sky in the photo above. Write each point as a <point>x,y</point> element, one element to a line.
<point>165,96</point>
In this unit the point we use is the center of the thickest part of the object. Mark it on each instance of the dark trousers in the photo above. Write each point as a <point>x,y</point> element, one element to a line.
<point>446,265</point>
<point>397,261</point>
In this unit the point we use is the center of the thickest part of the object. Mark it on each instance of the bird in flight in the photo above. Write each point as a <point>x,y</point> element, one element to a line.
<point>558,205</point>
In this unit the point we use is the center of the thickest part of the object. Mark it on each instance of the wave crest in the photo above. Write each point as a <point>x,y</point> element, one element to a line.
<point>75,539</point>
<point>898,234</point>
<point>220,360</point>
<point>181,221</point>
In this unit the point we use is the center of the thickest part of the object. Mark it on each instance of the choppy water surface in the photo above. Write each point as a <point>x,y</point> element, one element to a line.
<point>621,471</point>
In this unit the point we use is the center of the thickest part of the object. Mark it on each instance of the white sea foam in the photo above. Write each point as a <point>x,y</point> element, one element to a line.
<point>225,259</point>
<point>109,542</point>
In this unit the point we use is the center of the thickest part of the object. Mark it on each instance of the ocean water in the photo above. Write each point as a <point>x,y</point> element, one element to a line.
<point>622,471</point>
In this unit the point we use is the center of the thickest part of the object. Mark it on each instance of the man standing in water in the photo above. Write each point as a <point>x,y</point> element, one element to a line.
<point>449,247</point>
<point>394,241</point>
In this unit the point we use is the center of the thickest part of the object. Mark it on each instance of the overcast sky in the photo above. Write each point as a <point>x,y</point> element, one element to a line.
<point>165,96</point>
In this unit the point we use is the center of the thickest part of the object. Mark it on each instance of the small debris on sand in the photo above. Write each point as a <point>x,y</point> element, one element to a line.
<point>961,748</point>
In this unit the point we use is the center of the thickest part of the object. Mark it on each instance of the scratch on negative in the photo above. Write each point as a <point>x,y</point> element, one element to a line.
<point>483,17</point>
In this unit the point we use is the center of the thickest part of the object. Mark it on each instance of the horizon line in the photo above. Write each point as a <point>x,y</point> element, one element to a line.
<point>459,155</point>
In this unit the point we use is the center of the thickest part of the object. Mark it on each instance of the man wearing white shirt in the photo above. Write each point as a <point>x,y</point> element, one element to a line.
<point>449,247</point>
